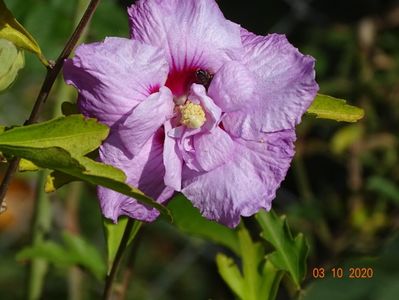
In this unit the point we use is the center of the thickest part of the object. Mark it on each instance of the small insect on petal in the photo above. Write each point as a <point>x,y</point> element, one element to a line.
<point>203,77</point>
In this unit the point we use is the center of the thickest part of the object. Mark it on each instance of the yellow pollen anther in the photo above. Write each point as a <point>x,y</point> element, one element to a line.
<point>192,115</point>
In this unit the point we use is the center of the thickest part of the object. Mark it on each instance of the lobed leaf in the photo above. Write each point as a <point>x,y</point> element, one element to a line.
<point>252,255</point>
<point>291,253</point>
<point>327,107</point>
<point>259,278</point>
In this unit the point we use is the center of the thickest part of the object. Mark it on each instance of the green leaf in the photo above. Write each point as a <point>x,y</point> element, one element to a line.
<point>83,169</point>
<point>85,254</point>
<point>50,145</point>
<point>11,61</point>
<point>76,134</point>
<point>188,219</point>
<point>230,273</point>
<point>76,251</point>
<point>290,254</point>
<point>12,30</point>
<point>271,278</point>
<point>327,107</point>
<point>259,279</point>
<point>47,158</point>
<point>50,251</point>
<point>114,234</point>
<point>252,255</point>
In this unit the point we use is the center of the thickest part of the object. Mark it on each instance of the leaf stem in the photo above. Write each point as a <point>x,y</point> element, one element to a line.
<point>118,257</point>
<point>52,73</point>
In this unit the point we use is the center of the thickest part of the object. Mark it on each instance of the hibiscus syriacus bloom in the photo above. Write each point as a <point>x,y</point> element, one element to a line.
<point>196,104</point>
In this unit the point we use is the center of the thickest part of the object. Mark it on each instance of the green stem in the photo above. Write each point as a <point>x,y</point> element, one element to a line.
<point>42,212</point>
<point>41,225</point>
<point>132,227</point>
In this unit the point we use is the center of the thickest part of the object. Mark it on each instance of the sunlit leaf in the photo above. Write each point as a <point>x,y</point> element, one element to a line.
<point>188,219</point>
<point>11,61</point>
<point>59,145</point>
<point>291,253</point>
<point>12,30</point>
<point>76,134</point>
<point>327,107</point>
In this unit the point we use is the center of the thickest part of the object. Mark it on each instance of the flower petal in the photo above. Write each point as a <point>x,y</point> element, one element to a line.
<point>233,86</point>
<point>172,160</point>
<point>145,171</point>
<point>212,149</point>
<point>145,120</point>
<point>113,76</point>
<point>246,183</point>
<point>193,32</point>
<point>286,86</point>
<point>212,112</point>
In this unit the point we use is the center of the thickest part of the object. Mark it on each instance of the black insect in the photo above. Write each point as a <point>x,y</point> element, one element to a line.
<point>203,77</point>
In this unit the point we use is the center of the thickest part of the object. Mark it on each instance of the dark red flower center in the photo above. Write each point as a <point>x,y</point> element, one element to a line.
<point>179,81</point>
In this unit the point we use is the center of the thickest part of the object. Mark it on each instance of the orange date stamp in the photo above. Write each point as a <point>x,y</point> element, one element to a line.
<point>338,272</point>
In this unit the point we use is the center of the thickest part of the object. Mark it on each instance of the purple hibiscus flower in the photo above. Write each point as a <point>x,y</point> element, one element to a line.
<point>196,104</point>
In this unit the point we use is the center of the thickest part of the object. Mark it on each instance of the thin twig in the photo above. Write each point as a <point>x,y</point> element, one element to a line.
<point>128,273</point>
<point>118,257</point>
<point>52,73</point>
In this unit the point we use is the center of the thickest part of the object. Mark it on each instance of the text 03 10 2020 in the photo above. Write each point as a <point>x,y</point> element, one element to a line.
<point>339,272</point>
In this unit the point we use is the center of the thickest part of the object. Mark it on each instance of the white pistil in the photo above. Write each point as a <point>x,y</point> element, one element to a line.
<point>180,100</point>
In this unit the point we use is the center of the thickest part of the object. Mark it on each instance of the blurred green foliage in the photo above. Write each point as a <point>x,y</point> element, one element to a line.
<point>342,190</point>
